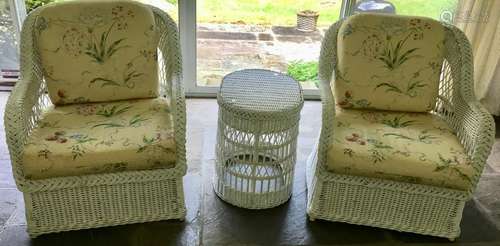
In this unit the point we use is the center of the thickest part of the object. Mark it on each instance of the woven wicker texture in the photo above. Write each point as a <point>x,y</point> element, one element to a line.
<point>307,22</point>
<point>259,112</point>
<point>78,202</point>
<point>423,209</point>
<point>260,92</point>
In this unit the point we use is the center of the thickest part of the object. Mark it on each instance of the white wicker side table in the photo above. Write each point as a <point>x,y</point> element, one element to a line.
<point>259,112</point>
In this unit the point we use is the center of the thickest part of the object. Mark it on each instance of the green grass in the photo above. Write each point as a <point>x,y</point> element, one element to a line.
<point>276,12</point>
<point>427,8</point>
<point>283,12</point>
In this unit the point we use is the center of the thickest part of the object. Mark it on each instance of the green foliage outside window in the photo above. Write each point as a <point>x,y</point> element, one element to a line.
<point>33,4</point>
<point>303,71</point>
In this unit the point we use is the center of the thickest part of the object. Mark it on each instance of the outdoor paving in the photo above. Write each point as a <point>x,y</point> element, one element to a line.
<point>210,221</point>
<point>223,48</point>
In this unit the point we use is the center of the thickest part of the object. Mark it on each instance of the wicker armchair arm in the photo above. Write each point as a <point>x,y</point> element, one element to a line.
<point>26,101</point>
<point>475,129</point>
<point>328,116</point>
<point>327,63</point>
<point>171,81</point>
<point>473,124</point>
<point>19,119</point>
<point>477,132</point>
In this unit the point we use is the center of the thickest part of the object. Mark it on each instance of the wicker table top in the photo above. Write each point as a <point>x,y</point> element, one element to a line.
<point>259,91</point>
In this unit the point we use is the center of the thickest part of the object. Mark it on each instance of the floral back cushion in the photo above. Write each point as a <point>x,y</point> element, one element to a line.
<point>93,51</point>
<point>388,62</point>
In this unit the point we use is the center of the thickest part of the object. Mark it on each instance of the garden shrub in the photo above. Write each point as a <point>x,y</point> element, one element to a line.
<point>303,71</point>
<point>33,4</point>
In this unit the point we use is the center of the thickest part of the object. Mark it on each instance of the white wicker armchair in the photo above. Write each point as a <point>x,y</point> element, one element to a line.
<point>397,205</point>
<point>104,199</point>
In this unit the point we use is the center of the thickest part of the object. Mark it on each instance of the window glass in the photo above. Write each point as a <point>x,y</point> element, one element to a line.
<point>281,35</point>
<point>437,9</point>
<point>9,52</point>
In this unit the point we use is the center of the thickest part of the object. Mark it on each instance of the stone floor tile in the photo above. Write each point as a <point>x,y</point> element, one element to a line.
<point>10,199</point>
<point>494,158</point>
<point>476,229</point>
<point>6,177</point>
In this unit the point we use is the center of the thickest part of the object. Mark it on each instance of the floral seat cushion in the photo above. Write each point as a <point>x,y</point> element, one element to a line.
<point>92,138</point>
<point>388,62</point>
<point>408,147</point>
<point>94,51</point>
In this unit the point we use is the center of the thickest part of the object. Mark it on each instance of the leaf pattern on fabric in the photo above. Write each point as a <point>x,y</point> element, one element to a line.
<point>102,50</point>
<point>388,63</point>
<point>450,164</point>
<point>411,90</point>
<point>113,110</point>
<point>112,48</point>
<point>398,122</point>
<point>395,54</point>
<point>134,121</point>
<point>423,137</point>
<point>128,79</point>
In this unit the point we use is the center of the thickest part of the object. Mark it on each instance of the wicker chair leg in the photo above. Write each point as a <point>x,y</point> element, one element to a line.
<point>311,218</point>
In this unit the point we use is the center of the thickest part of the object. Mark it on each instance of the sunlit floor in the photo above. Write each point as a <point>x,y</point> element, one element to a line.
<point>211,221</point>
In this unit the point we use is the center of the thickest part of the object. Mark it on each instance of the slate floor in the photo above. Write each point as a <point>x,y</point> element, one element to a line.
<point>210,221</point>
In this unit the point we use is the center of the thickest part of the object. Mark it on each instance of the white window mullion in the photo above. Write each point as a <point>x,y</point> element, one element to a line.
<point>187,29</point>
<point>187,32</point>
<point>347,8</point>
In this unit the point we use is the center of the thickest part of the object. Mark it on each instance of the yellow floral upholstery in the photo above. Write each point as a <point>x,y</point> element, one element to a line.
<point>409,147</point>
<point>93,51</point>
<point>388,62</point>
<point>94,138</point>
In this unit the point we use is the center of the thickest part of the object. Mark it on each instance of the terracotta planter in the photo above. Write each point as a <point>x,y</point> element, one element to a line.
<point>307,20</point>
